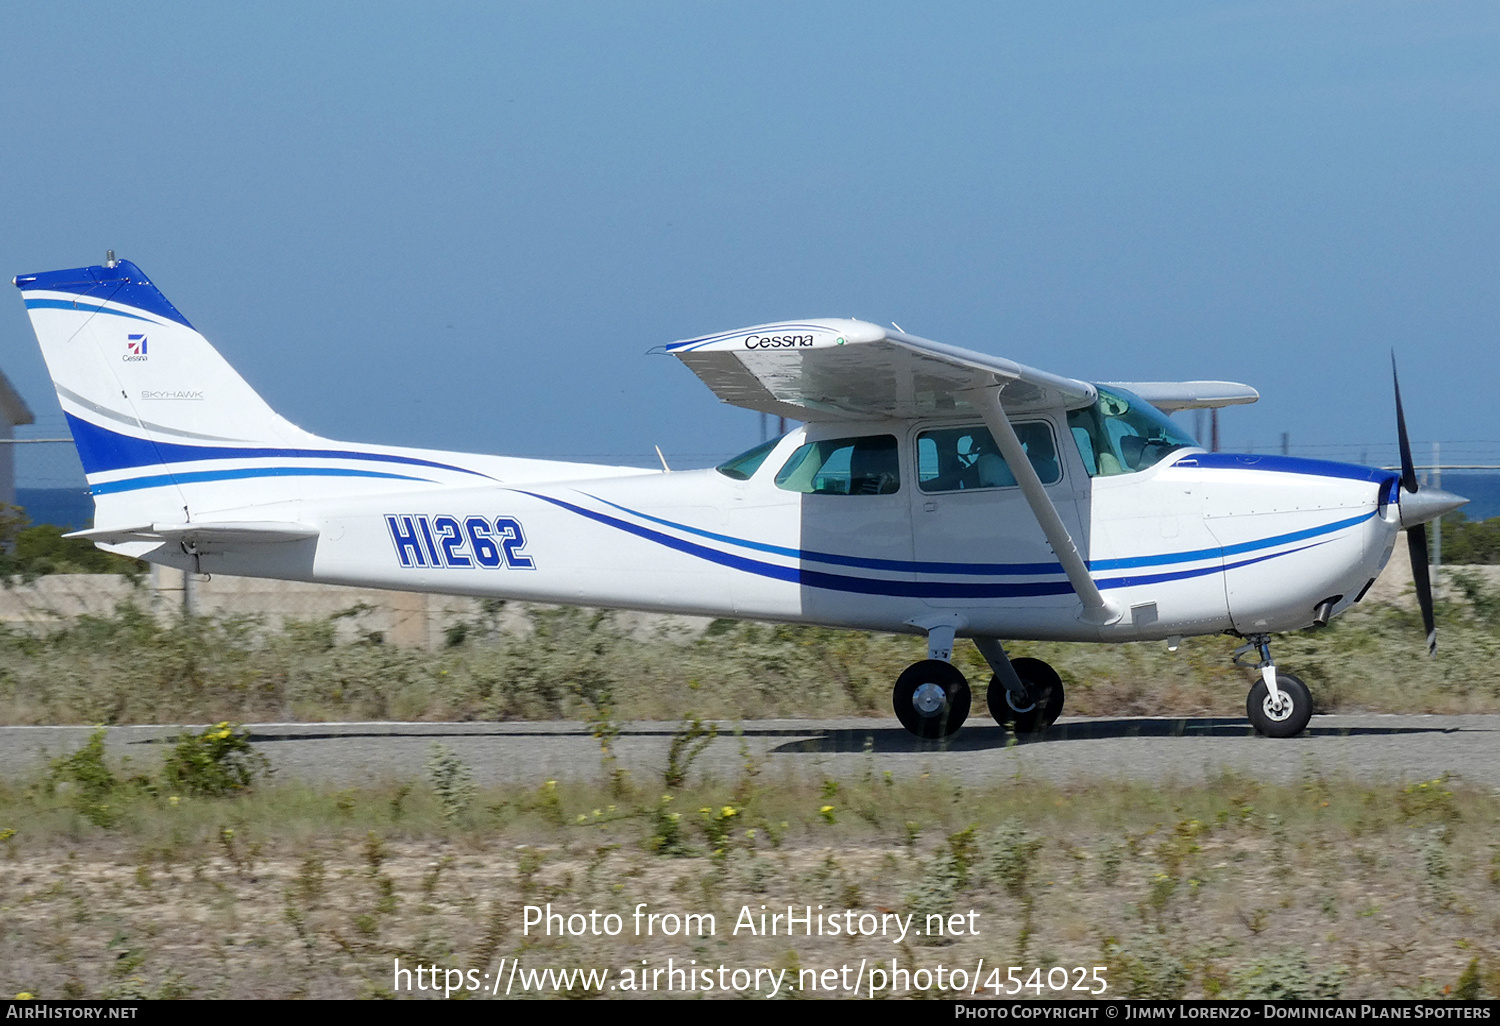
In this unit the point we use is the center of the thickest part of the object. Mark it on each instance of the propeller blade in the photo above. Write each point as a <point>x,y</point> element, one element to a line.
<point>1416,534</point>
<point>1416,543</point>
<point>1408,469</point>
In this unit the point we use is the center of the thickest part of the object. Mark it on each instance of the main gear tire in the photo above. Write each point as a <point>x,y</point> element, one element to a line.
<point>931,698</point>
<point>1044,692</point>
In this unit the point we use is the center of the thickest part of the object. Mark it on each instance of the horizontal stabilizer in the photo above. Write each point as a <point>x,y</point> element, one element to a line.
<point>226,533</point>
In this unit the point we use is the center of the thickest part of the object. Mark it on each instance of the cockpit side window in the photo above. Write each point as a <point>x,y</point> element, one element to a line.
<point>843,466</point>
<point>1122,434</point>
<point>967,458</point>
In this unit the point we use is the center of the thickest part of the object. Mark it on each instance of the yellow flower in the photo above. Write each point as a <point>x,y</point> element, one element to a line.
<point>26,995</point>
<point>726,812</point>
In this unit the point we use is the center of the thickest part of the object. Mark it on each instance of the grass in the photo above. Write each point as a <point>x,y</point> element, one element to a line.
<point>1326,887</point>
<point>201,879</point>
<point>581,664</point>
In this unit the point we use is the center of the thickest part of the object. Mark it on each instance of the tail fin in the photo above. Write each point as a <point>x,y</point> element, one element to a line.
<point>165,428</point>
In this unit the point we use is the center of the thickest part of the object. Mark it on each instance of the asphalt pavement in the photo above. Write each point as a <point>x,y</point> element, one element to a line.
<point>1367,747</point>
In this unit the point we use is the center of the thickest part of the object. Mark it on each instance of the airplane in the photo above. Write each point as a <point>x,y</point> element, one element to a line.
<point>929,490</point>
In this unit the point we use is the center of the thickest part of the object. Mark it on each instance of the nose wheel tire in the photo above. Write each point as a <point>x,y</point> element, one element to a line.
<point>931,698</point>
<point>1044,689</point>
<point>1285,719</point>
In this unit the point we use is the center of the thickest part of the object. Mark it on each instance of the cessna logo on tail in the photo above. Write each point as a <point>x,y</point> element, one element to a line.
<point>135,349</point>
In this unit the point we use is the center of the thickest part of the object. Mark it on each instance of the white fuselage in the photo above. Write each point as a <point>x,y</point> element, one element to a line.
<point>1200,543</point>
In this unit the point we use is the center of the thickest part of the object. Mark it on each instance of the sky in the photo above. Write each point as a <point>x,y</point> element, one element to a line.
<point>462,226</point>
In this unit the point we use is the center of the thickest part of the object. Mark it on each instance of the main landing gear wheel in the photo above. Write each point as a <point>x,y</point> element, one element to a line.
<point>931,698</point>
<point>1044,688</point>
<point>1285,719</point>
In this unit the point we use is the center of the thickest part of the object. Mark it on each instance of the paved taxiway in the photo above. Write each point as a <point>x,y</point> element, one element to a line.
<point>1361,746</point>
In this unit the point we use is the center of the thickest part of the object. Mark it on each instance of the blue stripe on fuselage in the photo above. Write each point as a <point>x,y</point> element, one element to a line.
<point>199,476</point>
<point>997,569</point>
<point>103,450</point>
<point>1284,465</point>
<point>878,586</point>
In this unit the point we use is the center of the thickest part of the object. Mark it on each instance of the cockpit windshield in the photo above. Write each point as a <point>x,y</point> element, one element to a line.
<point>1122,433</point>
<point>744,466</point>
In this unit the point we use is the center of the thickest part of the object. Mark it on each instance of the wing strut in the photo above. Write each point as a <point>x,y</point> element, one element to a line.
<point>1096,608</point>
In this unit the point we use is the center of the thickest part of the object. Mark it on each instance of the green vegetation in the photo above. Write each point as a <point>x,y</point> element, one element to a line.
<point>1471,541</point>
<point>133,667</point>
<point>219,761</point>
<point>1235,889</point>
<point>31,552</point>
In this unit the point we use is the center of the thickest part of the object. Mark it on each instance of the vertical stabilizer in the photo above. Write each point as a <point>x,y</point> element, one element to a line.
<point>165,427</point>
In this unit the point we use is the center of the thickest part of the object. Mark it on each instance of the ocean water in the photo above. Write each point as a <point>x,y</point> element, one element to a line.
<point>1480,487</point>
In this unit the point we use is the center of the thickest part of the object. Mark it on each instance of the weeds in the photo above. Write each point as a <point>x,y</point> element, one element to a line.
<point>689,741</point>
<point>217,762</point>
<point>94,785</point>
<point>1286,977</point>
<point>130,667</point>
<point>935,893</point>
<point>1013,853</point>
<point>1439,867</point>
<point>321,907</point>
<point>718,828</point>
<point>666,837</point>
<point>1147,971</point>
<point>451,781</point>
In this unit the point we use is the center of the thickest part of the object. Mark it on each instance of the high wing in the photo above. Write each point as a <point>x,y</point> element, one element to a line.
<point>822,370</point>
<point>833,370</point>
<point>1171,396</point>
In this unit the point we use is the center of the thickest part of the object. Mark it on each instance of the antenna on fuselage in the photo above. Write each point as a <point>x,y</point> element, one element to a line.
<point>665,469</point>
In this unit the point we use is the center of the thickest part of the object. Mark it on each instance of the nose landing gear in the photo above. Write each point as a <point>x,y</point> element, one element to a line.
<point>1279,705</point>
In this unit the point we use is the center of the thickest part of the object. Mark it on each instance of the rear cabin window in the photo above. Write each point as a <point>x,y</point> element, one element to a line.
<point>967,458</point>
<point>843,466</point>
